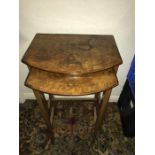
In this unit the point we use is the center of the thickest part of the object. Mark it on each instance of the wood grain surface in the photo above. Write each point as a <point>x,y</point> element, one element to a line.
<point>72,54</point>
<point>61,84</point>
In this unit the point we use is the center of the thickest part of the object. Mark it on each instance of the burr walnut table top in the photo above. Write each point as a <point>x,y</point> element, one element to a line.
<point>63,84</point>
<point>72,54</point>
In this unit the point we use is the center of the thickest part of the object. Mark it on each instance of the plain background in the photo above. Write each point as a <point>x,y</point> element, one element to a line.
<point>78,17</point>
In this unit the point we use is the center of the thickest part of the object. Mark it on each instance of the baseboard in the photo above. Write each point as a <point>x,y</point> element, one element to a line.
<point>31,96</point>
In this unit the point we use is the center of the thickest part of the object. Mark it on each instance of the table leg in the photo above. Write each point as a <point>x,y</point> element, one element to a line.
<point>51,98</point>
<point>44,109</point>
<point>97,97</point>
<point>102,107</point>
<point>52,107</point>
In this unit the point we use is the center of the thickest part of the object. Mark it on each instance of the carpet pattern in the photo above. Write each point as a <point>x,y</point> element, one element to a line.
<point>73,124</point>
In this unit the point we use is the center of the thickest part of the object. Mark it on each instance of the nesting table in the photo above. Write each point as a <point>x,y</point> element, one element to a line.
<point>72,65</point>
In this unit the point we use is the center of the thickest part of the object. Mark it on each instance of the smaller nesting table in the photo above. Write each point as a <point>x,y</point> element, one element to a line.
<point>72,65</point>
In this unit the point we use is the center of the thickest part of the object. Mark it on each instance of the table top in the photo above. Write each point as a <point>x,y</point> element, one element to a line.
<point>63,84</point>
<point>72,54</point>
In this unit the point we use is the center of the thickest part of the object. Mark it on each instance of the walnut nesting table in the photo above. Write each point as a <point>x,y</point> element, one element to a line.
<point>66,64</point>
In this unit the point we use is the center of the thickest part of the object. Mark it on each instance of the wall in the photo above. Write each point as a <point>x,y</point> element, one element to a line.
<point>81,17</point>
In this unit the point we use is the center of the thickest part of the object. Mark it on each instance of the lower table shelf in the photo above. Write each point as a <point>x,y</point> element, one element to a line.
<point>62,84</point>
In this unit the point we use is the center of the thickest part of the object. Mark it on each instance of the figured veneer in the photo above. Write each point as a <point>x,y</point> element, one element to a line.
<point>72,64</point>
<point>62,84</point>
<point>72,54</point>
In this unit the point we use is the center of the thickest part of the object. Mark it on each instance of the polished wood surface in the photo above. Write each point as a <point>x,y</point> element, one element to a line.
<point>72,54</point>
<point>67,64</point>
<point>61,84</point>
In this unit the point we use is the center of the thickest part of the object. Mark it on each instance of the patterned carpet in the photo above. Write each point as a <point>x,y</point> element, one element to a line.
<point>73,124</point>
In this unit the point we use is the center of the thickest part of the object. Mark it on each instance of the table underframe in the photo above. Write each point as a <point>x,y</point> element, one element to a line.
<point>101,104</point>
